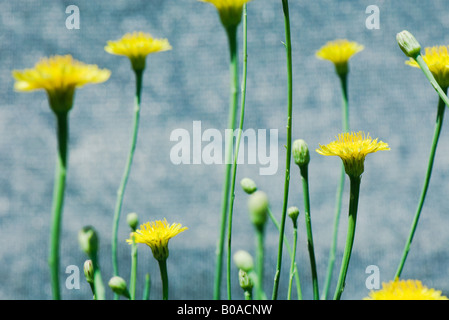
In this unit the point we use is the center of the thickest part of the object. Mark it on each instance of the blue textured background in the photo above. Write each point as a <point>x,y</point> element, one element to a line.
<point>190,83</point>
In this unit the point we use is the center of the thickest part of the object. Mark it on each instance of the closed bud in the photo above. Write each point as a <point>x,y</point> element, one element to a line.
<point>133,220</point>
<point>89,271</point>
<point>88,240</point>
<point>300,151</point>
<point>245,281</point>
<point>258,208</point>
<point>408,44</point>
<point>244,261</point>
<point>293,213</point>
<point>248,185</point>
<point>118,285</point>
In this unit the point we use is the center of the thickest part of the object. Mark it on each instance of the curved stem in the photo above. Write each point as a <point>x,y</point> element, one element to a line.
<point>98,281</point>
<point>353,203</point>
<point>164,278</point>
<point>288,48</point>
<point>146,289</point>
<point>232,37</point>
<point>237,146</point>
<point>121,190</point>
<point>58,200</point>
<point>305,184</point>
<point>442,93</point>
<point>438,125</point>
<point>337,211</point>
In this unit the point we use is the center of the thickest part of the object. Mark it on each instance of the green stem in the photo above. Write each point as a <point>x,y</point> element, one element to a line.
<point>133,277</point>
<point>305,185</point>
<point>58,200</point>
<point>164,278</point>
<point>248,295</point>
<point>288,48</point>
<point>293,262</point>
<point>146,289</point>
<point>98,281</point>
<point>237,146</point>
<point>260,262</point>
<point>438,125</point>
<point>232,37</point>
<point>353,204</point>
<point>121,190</point>
<point>290,252</point>
<point>337,211</point>
<point>442,93</point>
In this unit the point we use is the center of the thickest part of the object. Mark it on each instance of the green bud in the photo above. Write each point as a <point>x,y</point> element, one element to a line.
<point>88,240</point>
<point>133,220</point>
<point>300,151</point>
<point>248,185</point>
<point>89,271</point>
<point>243,261</point>
<point>293,213</point>
<point>258,208</point>
<point>245,281</point>
<point>408,44</point>
<point>118,285</point>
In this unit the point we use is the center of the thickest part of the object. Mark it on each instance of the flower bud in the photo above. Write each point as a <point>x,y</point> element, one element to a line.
<point>248,185</point>
<point>133,220</point>
<point>300,151</point>
<point>118,285</point>
<point>244,261</point>
<point>258,208</point>
<point>88,240</point>
<point>293,213</point>
<point>89,271</point>
<point>408,44</point>
<point>245,281</point>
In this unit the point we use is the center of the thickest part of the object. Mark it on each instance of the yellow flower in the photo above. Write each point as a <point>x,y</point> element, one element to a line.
<point>136,46</point>
<point>339,52</point>
<point>230,11</point>
<point>156,235</point>
<point>405,290</point>
<point>437,59</point>
<point>352,148</point>
<point>59,76</point>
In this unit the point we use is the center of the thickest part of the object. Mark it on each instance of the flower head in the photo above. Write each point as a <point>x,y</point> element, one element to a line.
<point>352,148</point>
<point>59,76</point>
<point>405,290</point>
<point>156,235</point>
<point>230,11</point>
<point>339,52</point>
<point>136,46</point>
<point>437,59</point>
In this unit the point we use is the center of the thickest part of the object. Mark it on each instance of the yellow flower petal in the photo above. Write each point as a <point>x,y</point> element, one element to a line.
<point>437,59</point>
<point>405,290</point>
<point>230,10</point>
<point>352,148</point>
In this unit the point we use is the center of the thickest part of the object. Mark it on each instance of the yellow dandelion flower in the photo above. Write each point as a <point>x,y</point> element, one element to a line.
<point>352,148</point>
<point>136,46</point>
<point>405,290</point>
<point>437,59</point>
<point>230,11</point>
<point>156,235</point>
<point>339,52</point>
<point>59,76</point>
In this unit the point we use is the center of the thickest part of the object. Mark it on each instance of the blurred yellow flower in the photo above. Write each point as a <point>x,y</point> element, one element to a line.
<point>339,52</point>
<point>405,290</point>
<point>230,11</point>
<point>352,148</point>
<point>136,46</point>
<point>437,59</point>
<point>59,76</point>
<point>156,235</point>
